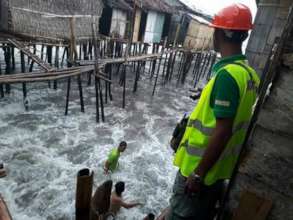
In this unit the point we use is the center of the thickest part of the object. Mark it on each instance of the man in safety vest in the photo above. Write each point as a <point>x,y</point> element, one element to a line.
<point>216,129</point>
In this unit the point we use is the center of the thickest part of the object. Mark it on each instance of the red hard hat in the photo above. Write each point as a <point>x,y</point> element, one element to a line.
<point>234,17</point>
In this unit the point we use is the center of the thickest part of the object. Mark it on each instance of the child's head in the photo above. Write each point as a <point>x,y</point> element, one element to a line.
<point>122,146</point>
<point>119,188</point>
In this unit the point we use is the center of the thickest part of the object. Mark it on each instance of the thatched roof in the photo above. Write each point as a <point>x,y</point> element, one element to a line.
<point>154,5</point>
<point>49,18</point>
<point>119,4</point>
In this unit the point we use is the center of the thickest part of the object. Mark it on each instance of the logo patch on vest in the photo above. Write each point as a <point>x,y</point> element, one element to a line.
<point>222,103</point>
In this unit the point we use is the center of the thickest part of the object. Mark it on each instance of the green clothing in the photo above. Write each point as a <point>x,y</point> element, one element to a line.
<point>225,94</point>
<point>113,159</point>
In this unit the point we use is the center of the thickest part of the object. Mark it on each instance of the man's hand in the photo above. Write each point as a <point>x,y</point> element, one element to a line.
<point>106,167</point>
<point>192,186</point>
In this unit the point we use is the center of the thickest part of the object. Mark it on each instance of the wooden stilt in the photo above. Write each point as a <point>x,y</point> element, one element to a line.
<point>67,95</point>
<point>56,63</point>
<point>42,52</point>
<point>97,100</point>
<point>32,62</point>
<point>63,56</point>
<point>49,59</point>
<point>23,70</point>
<point>136,77</point>
<point>109,84</point>
<point>89,81</point>
<point>157,76</point>
<point>1,85</point>
<point>7,55</point>
<point>80,93</point>
<point>13,57</point>
<point>124,85</point>
<point>101,100</point>
<point>173,66</point>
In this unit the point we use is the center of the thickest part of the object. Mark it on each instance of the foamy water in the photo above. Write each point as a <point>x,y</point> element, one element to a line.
<point>43,149</point>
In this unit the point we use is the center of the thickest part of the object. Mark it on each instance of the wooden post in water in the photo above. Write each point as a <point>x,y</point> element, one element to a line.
<point>23,70</point>
<point>99,95</point>
<point>7,55</point>
<point>32,62</point>
<point>13,57</point>
<point>136,76</point>
<point>56,63</point>
<point>124,84</point>
<point>42,52</point>
<point>159,67</point>
<point>67,95</point>
<point>49,59</point>
<point>1,85</point>
<point>84,187</point>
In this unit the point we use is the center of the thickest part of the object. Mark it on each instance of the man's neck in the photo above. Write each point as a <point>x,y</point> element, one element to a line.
<point>231,50</point>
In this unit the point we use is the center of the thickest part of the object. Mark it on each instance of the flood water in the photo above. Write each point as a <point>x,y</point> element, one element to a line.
<point>43,149</point>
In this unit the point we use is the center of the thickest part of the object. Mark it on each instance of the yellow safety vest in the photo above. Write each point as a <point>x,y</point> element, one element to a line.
<point>202,122</point>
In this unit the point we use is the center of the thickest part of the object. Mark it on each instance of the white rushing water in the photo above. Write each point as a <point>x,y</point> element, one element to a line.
<point>43,149</point>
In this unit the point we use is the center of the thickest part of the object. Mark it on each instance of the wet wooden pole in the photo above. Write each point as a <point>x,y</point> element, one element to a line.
<point>23,70</point>
<point>67,95</point>
<point>7,55</point>
<point>99,95</point>
<point>56,63</point>
<point>49,59</point>
<point>1,85</point>
<point>13,57</point>
<point>84,188</point>
<point>32,61</point>
<point>42,52</point>
<point>136,77</point>
<point>159,67</point>
<point>124,85</point>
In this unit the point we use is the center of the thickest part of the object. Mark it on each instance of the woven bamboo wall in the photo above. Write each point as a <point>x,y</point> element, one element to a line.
<point>50,18</point>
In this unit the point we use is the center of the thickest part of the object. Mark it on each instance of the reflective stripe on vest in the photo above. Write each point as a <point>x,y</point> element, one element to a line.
<point>208,131</point>
<point>199,126</point>
<point>193,150</point>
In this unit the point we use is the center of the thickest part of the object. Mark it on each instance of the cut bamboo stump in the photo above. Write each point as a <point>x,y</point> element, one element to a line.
<point>83,194</point>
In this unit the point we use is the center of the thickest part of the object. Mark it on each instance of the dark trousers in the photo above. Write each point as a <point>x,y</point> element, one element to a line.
<point>200,206</point>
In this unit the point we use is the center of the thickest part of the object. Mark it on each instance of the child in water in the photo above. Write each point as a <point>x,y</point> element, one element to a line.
<point>112,161</point>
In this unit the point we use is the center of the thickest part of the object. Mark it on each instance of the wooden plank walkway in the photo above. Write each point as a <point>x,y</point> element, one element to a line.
<point>85,67</point>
